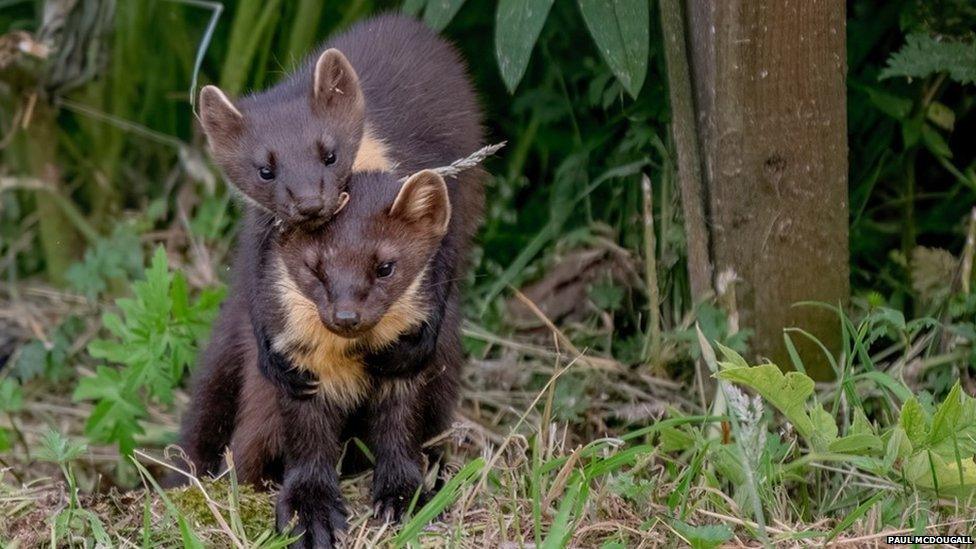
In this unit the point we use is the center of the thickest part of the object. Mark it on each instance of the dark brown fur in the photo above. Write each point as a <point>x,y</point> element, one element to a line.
<point>420,104</point>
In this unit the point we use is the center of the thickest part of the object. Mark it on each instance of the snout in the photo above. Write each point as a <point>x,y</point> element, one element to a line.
<point>309,211</point>
<point>311,206</point>
<point>345,321</point>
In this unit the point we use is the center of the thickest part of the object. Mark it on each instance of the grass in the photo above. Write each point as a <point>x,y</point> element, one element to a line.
<point>527,467</point>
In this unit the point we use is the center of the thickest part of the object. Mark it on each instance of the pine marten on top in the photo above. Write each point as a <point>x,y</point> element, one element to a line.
<point>343,324</point>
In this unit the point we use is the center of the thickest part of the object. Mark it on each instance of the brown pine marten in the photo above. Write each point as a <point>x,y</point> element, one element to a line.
<point>351,327</point>
<point>332,302</point>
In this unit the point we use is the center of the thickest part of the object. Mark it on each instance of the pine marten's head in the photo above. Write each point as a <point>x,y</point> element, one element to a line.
<point>289,151</point>
<point>363,270</point>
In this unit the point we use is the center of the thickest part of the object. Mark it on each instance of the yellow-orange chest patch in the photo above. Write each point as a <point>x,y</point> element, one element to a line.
<point>335,360</point>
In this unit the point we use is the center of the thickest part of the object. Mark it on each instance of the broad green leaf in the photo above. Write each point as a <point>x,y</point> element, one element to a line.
<point>915,422</point>
<point>788,393</point>
<point>823,423</point>
<point>620,30</point>
<point>860,424</point>
<point>732,358</point>
<point>440,12</point>
<point>896,446</point>
<point>860,444</point>
<point>861,438</point>
<point>517,27</point>
<point>931,471</point>
<point>954,425</point>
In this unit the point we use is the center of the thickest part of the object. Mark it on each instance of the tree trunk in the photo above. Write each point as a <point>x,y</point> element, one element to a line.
<point>770,96</point>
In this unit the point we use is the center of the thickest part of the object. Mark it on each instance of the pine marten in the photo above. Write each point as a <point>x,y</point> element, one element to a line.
<point>348,327</point>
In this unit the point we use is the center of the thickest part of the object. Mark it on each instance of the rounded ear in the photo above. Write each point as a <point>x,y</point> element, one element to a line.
<point>221,120</point>
<point>424,199</point>
<point>335,86</point>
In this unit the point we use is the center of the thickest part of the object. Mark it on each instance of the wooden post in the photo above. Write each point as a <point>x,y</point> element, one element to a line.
<point>769,81</point>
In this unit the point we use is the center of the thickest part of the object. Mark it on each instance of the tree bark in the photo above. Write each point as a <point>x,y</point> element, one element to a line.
<point>769,81</point>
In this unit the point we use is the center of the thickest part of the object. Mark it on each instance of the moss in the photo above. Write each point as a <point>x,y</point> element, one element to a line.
<point>254,509</point>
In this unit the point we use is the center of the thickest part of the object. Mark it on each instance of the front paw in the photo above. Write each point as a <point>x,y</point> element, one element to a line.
<point>296,383</point>
<point>394,490</point>
<point>319,520</point>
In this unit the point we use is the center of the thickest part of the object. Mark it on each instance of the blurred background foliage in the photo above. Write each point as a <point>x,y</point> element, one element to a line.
<point>103,162</point>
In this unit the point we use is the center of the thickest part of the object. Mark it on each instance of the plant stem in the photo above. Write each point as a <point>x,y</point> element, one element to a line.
<point>652,346</point>
<point>688,148</point>
<point>967,254</point>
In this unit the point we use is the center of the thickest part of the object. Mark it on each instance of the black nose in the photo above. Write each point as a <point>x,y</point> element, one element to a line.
<point>346,319</point>
<point>310,209</point>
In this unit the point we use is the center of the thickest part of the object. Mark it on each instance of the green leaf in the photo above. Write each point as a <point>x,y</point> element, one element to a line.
<point>440,12</point>
<point>11,397</point>
<point>788,393</point>
<point>915,422</point>
<point>676,440</point>
<point>934,142</point>
<point>705,536</point>
<point>923,55</point>
<point>941,115</point>
<point>860,444</point>
<point>954,425</point>
<point>413,7</point>
<point>517,27</point>
<point>894,106</point>
<point>732,358</point>
<point>930,471</point>
<point>897,446</point>
<point>32,361</point>
<point>860,425</point>
<point>620,30</point>
<point>58,448</point>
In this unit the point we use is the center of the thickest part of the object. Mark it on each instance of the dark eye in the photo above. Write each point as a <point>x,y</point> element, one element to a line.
<point>328,158</point>
<point>384,270</point>
<point>266,173</point>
